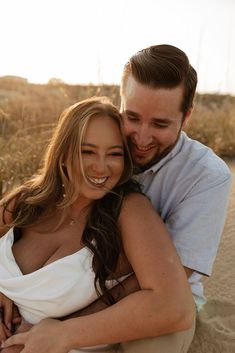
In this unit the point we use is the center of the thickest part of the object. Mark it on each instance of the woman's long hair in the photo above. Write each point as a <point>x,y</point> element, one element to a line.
<point>102,236</point>
<point>51,189</point>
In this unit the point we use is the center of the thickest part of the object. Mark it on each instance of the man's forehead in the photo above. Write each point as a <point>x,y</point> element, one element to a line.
<point>155,102</point>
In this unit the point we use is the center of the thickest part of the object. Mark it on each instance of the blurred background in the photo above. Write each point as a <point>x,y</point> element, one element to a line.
<point>89,41</point>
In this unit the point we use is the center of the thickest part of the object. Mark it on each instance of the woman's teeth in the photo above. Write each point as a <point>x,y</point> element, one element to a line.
<point>97,181</point>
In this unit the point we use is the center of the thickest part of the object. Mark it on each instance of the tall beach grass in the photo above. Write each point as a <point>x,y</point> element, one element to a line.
<point>29,112</point>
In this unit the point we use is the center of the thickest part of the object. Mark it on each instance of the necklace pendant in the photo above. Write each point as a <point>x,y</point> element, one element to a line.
<point>71,222</point>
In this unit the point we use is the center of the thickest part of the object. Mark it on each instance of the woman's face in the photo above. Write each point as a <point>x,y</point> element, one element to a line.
<point>102,154</point>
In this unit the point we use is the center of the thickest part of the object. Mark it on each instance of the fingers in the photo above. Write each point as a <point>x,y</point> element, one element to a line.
<point>3,335</point>
<point>4,331</point>
<point>16,317</point>
<point>13,349</point>
<point>19,338</point>
<point>7,332</point>
<point>6,311</point>
<point>8,314</point>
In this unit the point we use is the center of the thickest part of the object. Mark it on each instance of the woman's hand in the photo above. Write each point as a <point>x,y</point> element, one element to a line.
<point>23,327</point>
<point>6,309</point>
<point>47,336</point>
<point>4,331</point>
<point>9,317</point>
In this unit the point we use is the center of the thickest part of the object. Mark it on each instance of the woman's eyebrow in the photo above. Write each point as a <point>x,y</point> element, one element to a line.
<point>88,144</point>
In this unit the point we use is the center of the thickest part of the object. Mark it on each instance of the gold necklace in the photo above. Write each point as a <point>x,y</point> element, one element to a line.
<point>80,219</point>
<point>72,221</point>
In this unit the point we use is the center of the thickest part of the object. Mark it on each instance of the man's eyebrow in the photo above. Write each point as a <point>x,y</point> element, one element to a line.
<point>130,112</point>
<point>154,119</point>
<point>161,120</point>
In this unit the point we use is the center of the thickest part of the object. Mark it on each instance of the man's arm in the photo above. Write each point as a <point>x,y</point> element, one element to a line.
<point>128,286</point>
<point>196,224</point>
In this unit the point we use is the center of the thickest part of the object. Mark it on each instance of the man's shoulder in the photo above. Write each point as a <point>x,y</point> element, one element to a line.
<point>203,158</point>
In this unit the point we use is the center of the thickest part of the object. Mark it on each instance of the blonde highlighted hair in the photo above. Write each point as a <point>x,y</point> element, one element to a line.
<point>51,188</point>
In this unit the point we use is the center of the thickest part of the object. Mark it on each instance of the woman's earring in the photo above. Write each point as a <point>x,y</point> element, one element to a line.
<point>63,191</point>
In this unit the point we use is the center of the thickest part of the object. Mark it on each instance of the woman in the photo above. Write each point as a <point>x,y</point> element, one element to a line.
<point>78,226</point>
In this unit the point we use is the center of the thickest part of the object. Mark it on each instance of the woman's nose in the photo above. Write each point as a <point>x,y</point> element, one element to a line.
<point>99,166</point>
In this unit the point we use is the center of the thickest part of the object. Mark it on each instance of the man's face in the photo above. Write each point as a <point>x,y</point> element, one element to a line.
<point>152,120</point>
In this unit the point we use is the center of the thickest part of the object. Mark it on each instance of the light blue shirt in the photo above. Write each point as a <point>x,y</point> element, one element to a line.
<point>190,188</point>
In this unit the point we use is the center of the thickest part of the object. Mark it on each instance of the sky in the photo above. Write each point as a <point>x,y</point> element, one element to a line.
<point>89,41</point>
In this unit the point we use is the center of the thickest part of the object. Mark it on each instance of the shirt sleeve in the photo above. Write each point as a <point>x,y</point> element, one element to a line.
<point>197,222</point>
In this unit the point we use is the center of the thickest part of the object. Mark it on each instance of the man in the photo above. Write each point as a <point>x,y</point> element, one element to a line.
<point>186,182</point>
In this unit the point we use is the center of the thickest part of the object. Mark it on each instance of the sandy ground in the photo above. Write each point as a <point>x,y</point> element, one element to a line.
<point>215,331</point>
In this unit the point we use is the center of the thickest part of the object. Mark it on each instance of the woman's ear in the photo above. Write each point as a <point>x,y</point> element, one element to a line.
<point>64,167</point>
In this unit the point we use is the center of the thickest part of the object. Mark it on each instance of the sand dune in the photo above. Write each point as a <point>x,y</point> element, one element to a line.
<point>215,331</point>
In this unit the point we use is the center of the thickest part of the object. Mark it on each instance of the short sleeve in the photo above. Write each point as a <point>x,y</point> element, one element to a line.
<point>197,222</point>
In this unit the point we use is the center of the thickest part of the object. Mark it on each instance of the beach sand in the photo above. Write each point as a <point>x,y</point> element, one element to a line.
<point>215,331</point>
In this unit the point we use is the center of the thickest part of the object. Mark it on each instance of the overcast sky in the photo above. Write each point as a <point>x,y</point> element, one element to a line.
<point>88,41</point>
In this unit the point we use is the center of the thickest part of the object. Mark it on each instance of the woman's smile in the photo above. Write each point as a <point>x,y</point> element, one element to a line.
<point>102,159</point>
<point>97,181</point>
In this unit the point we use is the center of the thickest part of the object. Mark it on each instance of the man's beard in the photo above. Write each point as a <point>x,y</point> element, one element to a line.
<point>157,158</point>
<point>141,168</point>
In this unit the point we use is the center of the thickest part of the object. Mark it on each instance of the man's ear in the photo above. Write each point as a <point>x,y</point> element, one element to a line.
<point>187,116</point>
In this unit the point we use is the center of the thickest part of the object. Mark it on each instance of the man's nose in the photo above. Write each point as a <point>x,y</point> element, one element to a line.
<point>143,135</point>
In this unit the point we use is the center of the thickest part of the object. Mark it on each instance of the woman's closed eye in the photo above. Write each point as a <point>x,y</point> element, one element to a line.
<point>117,154</point>
<point>87,152</point>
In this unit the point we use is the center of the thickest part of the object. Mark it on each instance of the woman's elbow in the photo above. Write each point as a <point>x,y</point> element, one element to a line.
<point>178,314</point>
<point>186,317</point>
<point>183,313</point>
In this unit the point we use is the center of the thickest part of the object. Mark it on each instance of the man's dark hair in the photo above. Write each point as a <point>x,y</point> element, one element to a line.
<point>163,66</point>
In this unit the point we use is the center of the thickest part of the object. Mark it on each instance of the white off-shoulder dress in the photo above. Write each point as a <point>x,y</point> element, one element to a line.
<point>55,290</point>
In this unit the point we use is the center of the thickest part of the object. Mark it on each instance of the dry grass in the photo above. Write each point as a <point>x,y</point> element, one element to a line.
<point>28,113</point>
<point>213,123</point>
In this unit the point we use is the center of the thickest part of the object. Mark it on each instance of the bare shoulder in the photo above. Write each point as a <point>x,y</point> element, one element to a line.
<point>138,218</point>
<point>147,244</point>
<point>135,205</point>
<point>135,201</point>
